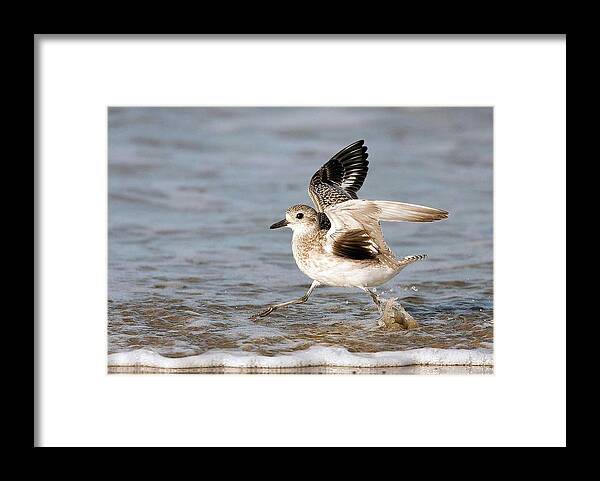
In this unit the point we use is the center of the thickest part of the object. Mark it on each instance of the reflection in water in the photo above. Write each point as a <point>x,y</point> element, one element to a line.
<point>193,191</point>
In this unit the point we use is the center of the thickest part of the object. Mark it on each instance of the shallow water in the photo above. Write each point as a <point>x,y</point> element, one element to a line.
<point>192,192</point>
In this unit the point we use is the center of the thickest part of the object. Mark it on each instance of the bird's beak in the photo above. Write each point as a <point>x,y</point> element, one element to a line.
<point>281,223</point>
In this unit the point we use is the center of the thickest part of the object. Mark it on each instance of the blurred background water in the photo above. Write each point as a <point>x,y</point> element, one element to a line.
<point>192,192</point>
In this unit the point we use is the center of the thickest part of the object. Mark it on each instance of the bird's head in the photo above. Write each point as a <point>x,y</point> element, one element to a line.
<point>299,218</point>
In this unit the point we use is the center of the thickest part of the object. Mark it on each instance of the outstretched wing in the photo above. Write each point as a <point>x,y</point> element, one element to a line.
<point>356,230</point>
<point>341,177</point>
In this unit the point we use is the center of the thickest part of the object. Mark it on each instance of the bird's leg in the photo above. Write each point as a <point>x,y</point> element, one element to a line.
<point>300,300</point>
<point>375,297</point>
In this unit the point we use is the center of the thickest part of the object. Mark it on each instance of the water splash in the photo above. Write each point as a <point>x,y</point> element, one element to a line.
<point>394,316</point>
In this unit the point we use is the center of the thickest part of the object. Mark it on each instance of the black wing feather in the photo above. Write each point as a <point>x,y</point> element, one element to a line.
<point>324,222</point>
<point>341,177</point>
<point>354,244</point>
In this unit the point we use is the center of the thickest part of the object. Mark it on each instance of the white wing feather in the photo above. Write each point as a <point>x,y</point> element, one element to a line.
<point>366,215</point>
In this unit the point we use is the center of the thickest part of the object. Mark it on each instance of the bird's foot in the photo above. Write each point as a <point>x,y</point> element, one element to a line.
<point>264,313</point>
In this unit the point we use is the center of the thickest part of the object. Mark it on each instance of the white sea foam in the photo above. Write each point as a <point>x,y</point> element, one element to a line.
<point>313,356</point>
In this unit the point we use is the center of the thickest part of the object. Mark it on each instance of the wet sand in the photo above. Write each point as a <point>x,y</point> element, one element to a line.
<point>426,370</point>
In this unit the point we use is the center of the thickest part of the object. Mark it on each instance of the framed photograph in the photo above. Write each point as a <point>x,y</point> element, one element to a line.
<point>300,240</point>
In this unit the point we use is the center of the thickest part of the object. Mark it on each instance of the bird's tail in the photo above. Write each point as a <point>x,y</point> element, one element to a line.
<point>402,263</point>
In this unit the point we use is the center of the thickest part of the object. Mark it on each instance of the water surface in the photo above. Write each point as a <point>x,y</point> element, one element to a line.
<point>192,192</point>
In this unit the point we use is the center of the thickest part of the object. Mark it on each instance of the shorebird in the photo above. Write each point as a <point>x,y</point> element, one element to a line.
<point>340,243</point>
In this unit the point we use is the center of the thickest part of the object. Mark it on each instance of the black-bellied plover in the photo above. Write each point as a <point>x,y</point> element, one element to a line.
<point>341,243</point>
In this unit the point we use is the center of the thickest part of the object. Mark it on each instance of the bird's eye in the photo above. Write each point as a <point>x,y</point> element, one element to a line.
<point>299,215</point>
